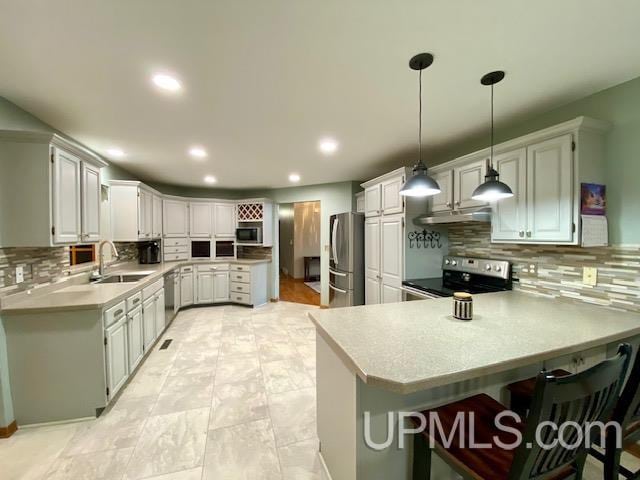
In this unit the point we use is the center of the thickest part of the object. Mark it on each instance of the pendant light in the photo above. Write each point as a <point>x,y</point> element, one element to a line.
<point>420,184</point>
<point>492,189</point>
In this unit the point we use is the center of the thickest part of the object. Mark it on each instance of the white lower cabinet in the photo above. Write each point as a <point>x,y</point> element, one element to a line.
<point>117,354</point>
<point>149,322</point>
<point>204,289</point>
<point>186,288</point>
<point>221,287</point>
<point>136,337</point>
<point>160,316</point>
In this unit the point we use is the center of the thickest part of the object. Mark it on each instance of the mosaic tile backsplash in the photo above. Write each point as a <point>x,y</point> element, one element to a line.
<point>559,268</point>
<point>40,265</point>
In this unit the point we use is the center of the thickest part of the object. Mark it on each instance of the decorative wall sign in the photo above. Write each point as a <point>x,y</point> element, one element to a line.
<point>424,239</point>
<point>593,198</point>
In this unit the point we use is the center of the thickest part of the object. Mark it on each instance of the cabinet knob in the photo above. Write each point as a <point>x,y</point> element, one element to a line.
<point>521,233</point>
<point>457,203</point>
<point>528,233</point>
<point>448,204</point>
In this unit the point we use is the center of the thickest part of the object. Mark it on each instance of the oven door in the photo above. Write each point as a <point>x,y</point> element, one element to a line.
<point>410,294</point>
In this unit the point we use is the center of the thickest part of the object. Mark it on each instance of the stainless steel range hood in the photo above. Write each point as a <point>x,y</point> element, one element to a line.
<point>482,214</point>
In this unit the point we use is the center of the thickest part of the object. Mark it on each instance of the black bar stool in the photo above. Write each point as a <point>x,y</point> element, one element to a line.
<point>626,413</point>
<point>584,397</point>
<point>521,392</point>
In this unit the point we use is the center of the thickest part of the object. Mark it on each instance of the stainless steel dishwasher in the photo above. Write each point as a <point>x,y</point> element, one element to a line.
<point>171,295</point>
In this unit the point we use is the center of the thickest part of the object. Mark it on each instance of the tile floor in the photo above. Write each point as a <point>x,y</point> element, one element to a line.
<point>233,398</point>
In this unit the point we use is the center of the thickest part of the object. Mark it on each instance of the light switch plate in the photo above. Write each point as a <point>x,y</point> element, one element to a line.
<point>19,275</point>
<point>590,276</point>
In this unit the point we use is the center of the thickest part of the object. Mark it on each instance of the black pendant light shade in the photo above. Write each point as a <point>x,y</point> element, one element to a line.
<point>492,189</point>
<point>420,184</point>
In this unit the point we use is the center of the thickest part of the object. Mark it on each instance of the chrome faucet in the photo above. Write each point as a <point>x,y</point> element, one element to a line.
<point>114,250</point>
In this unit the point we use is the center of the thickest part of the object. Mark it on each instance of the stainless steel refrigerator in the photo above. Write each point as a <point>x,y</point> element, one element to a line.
<point>346,260</point>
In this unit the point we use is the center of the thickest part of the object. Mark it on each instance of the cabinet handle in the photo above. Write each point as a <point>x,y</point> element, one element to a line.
<point>136,300</point>
<point>457,203</point>
<point>528,233</point>
<point>118,313</point>
<point>448,204</point>
<point>521,233</point>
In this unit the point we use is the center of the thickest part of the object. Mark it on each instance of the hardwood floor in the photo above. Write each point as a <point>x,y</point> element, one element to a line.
<point>292,290</point>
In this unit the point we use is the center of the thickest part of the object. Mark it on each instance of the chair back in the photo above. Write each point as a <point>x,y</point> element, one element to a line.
<point>583,398</point>
<point>627,410</point>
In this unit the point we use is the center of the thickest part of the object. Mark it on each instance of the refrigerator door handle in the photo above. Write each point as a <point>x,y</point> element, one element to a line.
<point>339,290</point>
<point>337,274</point>
<point>334,235</point>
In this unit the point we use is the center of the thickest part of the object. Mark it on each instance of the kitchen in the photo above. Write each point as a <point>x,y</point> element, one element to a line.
<point>142,331</point>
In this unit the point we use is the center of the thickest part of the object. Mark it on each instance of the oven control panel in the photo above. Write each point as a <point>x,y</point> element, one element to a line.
<point>481,266</point>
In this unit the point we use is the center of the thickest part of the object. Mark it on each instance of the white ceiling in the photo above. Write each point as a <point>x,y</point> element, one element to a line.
<point>264,80</point>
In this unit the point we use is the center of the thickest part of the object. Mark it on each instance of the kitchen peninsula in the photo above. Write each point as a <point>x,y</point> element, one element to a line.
<point>412,355</point>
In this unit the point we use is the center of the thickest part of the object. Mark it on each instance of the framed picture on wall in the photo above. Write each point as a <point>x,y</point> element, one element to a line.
<point>593,199</point>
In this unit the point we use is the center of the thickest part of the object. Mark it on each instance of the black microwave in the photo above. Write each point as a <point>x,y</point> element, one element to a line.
<point>249,235</point>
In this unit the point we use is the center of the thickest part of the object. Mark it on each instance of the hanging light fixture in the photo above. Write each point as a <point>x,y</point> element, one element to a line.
<point>420,184</point>
<point>492,189</point>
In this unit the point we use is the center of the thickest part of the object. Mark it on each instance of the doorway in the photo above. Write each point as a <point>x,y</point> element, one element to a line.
<point>299,231</point>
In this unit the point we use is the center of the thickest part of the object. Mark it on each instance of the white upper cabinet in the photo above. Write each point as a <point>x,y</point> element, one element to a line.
<point>373,201</point>
<point>224,216</point>
<point>467,179</point>
<point>360,202</point>
<point>200,220</point>
<point>66,197</point>
<point>443,201</point>
<point>132,211</point>
<point>176,218</point>
<point>90,191</point>
<point>510,214</point>
<point>392,201</point>
<point>550,190</point>
<point>156,231</point>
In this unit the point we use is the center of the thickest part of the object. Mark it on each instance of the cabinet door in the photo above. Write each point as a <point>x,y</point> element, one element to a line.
<point>145,213</point>
<point>550,191</point>
<point>360,203</point>
<point>136,338</point>
<point>224,220</point>
<point>204,288</point>
<point>66,197</point>
<point>391,294</point>
<point>157,217</point>
<point>443,201</point>
<point>186,289</point>
<point>392,201</point>
<point>221,287</point>
<point>201,220</point>
<point>391,251</point>
<point>175,219</point>
<point>149,322</point>
<point>466,180</point>
<point>160,317</point>
<point>372,260</point>
<point>117,355</point>
<point>509,217</point>
<point>90,203</point>
<point>373,201</point>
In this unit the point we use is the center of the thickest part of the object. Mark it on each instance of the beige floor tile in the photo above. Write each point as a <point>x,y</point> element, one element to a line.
<point>235,403</point>
<point>107,465</point>
<point>177,383</point>
<point>273,351</point>
<point>191,474</point>
<point>238,345</point>
<point>293,415</point>
<point>237,368</point>
<point>170,443</point>
<point>242,452</point>
<point>187,397</point>
<point>300,461</point>
<point>286,375</point>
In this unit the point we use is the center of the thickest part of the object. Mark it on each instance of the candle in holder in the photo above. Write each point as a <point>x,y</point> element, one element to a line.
<point>462,306</point>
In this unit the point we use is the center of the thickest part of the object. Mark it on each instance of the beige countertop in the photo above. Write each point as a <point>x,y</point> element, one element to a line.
<point>78,294</point>
<point>411,346</point>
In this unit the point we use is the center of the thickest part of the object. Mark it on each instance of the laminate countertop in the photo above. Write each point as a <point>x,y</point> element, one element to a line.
<point>76,293</point>
<point>412,346</point>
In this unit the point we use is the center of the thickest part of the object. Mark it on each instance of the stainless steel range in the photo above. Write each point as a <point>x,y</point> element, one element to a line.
<point>461,274</point>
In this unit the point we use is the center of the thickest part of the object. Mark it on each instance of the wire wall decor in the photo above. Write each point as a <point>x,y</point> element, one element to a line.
<point>424,239</point>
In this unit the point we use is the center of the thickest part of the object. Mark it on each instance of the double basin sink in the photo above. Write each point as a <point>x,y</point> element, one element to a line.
<point>122,278</point>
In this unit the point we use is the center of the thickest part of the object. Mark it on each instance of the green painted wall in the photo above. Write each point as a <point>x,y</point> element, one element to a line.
<point>619,105</point>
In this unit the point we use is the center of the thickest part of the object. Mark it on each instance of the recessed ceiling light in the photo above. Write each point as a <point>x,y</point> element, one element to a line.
<point>294,177</point>
<point>210,179</point>
<point>328,146</point>
<point>115,152</point>
<point>166,82</point>
<point>197,152</point>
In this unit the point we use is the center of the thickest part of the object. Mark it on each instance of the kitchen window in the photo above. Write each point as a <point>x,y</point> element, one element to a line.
<point>79,254</point>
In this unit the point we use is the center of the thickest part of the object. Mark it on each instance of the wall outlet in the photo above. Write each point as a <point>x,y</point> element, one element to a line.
<point>530,268</point>
<point>590,276</point>
<point>19,275</point>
